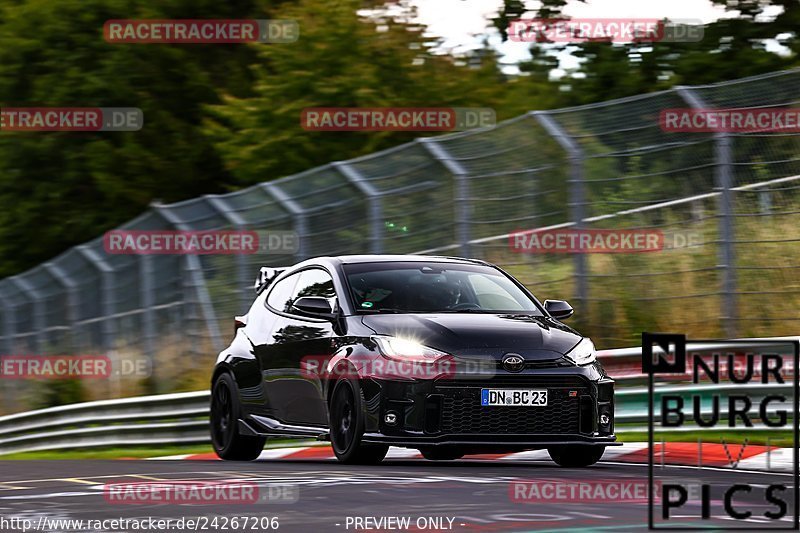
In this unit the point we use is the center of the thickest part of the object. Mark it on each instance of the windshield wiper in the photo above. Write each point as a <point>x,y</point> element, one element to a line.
<point>464,311</point>
<point>443,311</point>
<point>492,312</point>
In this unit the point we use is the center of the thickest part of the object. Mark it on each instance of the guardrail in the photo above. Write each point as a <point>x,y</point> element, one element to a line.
<point>143,421</point>
<point>183,418</point>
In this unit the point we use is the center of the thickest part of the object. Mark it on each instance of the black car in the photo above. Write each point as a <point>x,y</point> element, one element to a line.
<point>446,355</point>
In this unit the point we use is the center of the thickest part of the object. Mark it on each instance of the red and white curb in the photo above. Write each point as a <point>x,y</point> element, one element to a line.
<point>749,457</point>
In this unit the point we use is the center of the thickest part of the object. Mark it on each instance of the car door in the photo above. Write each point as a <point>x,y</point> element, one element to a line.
<point>262,322</point>
<point>296,345</point>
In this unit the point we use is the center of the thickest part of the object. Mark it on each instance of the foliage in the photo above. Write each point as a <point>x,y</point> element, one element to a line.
<point>731,47</point>
<point>344,60</point>
<point>61,189</point>
<point>219,117</point>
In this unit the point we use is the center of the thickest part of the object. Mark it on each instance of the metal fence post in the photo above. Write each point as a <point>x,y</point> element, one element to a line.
<point>723,180</point>
<point>38,311</point>
<point>462,192</point>
<point>298,217</point>
<point>375,207</point>
<point>9,397</point>
<point>8,325</point>
<point>108,328</point>
<point>224,210</point>
<point>577,193</point>
<point>147,300</point>
<point>70,288</point>
<point>194,271</point>
<point>765,202</point>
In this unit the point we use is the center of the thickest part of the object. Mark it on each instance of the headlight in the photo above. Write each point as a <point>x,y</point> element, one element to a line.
<point>406,350</point>
<point>583,354</point>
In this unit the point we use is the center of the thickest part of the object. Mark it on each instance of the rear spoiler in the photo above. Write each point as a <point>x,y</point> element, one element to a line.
<point>265,276</point>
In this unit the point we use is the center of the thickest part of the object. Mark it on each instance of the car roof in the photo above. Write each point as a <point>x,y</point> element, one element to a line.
<point>334,262</point>
<point>386,258</point>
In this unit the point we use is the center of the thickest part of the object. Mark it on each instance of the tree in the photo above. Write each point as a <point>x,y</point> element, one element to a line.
<point>61,189</point>
<point>378,58</point>
<point>731,48</point>
<point>216,116</point>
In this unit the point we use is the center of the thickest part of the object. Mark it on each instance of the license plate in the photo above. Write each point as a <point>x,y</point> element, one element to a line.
<point>514,397</point>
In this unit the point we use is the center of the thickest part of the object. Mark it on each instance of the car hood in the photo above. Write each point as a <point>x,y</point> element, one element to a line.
<point>481,335</point>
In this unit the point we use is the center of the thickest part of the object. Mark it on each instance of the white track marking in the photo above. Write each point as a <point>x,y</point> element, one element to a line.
<point>402,453</point>
<point>780,460</point>
<point>280,453</point>
<point>170,458</point>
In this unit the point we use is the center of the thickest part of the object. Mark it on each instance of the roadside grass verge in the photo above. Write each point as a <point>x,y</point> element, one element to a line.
<point>141,452</point>
<point>778,438</point>
<point>109,453</point>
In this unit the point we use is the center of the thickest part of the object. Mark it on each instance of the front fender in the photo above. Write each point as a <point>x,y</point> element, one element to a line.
<point>354,361</point>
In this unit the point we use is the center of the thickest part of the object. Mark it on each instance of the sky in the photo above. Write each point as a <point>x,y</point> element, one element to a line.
<point>459,22</point>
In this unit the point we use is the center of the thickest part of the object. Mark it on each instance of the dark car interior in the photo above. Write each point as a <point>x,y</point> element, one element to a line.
<point>427,290</point>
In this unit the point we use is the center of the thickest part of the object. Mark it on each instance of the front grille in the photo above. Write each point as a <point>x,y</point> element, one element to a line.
<point>462,412</point>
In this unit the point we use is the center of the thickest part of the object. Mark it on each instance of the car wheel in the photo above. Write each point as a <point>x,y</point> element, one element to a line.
<point>347,426</point>
<point>225,437</point>
<point>576,455</point>
<point>441,453</point>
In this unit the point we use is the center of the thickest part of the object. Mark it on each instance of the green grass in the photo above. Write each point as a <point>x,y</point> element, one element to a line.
<point>109,453</point>
<point>139,452</point>
<point>781,439</point>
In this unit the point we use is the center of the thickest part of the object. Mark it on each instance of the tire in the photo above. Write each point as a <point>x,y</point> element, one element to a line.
<point>441,453</point>
<point>347,426</point>
<point>228,443</point>
<point>576,455</point>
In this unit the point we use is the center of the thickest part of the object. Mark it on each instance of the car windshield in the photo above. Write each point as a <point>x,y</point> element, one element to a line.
<point>417,287</point>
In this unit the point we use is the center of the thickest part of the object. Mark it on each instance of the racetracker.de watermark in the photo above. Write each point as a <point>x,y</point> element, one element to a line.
<point>204,31</point>
<point>615,30</point>
<point>166,242</point>
<point>602,241</point>
<point>71,119</point>
<point>633,490</point>
<point>764,120</point>
<point>198,493</point>
<point>396,118</point>
<point>210,522</point>
<point>55,367</point>
<point>324,367</point>
<point>23,367</point>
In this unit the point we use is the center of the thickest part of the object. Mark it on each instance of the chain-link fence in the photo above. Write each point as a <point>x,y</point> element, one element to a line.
<point>605,165</point>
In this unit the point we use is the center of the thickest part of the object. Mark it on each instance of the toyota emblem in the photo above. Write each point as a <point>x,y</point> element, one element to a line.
<point>513,362</point>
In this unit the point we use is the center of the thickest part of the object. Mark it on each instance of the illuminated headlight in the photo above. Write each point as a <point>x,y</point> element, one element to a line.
<point>583,354</point>
<point>406,350</point>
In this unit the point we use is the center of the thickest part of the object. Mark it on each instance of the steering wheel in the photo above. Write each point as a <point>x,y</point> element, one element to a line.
<point>464,305</point>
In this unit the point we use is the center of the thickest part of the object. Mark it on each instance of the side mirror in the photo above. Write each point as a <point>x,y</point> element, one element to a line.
<point>313,306</point>
<point>558,308</point>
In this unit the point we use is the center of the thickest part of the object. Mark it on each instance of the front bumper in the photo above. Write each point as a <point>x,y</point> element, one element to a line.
<point>580,410</point>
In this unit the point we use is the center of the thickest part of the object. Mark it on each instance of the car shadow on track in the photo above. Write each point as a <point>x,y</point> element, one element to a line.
<point>422,463</point>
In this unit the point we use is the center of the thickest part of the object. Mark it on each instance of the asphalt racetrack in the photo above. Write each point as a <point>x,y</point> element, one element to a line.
<point>467,495</point>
